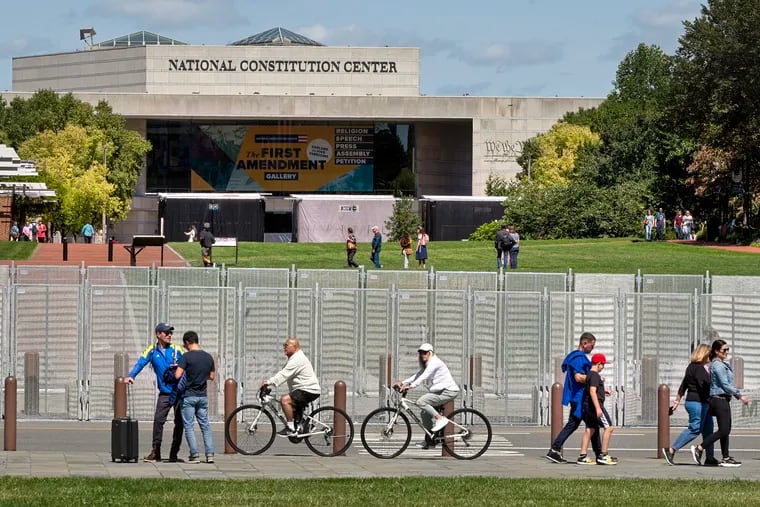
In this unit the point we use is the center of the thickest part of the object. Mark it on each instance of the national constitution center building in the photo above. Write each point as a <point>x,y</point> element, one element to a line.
<point>278,115</point>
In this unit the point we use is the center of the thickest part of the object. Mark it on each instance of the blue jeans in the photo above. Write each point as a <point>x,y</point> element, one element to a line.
<point>376,259</point>
<point>197,407</point>
<point>699,422</point>
<point>513,258</point>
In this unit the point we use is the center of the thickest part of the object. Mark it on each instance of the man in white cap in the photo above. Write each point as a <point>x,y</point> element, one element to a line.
<point>442,389</point>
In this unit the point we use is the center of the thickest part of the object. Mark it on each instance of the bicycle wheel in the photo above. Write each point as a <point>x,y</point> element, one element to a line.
<point>255,429</point>
<point>386,433</point>
<point>471,435</point>
<point>322,422</point>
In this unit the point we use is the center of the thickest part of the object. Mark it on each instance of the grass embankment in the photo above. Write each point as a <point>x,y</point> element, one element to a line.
<point>415,491</point>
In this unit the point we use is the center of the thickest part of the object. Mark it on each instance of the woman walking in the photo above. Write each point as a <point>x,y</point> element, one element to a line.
<point>406,248</point>
<point>351,248</point>
<point>422,242</point>
<point>721,390</point>
<point>696,382</point>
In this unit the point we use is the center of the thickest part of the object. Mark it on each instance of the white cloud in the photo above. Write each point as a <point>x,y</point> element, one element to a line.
<point>172,12</point>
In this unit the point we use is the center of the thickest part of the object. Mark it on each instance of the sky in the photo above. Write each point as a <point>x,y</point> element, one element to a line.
<point>535,48</point>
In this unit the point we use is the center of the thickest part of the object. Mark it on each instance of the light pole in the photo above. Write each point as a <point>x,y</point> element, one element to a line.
<point>103,214</point>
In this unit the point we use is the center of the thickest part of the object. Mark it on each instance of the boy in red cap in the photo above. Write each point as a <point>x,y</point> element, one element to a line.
<point>594,414</point>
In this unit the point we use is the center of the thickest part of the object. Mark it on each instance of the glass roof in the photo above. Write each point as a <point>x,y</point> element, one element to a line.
<point>140,39</point>
<point>276,37</point>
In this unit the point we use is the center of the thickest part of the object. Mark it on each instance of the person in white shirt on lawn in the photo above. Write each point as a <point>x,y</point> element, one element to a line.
<point>442,389</point>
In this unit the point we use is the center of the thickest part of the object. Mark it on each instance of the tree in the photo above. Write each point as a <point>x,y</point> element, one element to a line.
<point>557,151</point>
<point>717,77</point>
<point>403,220</point>
<point>121,151</point>
<point>67,163</point>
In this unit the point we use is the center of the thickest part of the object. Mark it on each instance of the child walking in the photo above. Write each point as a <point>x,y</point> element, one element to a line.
<point>595,416</point>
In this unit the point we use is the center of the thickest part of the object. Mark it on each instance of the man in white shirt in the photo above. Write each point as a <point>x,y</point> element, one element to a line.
<point>303,385</point>
<point>442,389</point>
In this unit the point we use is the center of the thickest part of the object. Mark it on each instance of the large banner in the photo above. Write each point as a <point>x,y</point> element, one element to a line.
<point>277,158</point>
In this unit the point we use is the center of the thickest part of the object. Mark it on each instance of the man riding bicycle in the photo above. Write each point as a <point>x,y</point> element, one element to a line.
<point>303,385</point>
<point>442,389</point>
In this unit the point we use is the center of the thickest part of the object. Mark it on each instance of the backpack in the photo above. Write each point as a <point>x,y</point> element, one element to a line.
<point>507,242</point>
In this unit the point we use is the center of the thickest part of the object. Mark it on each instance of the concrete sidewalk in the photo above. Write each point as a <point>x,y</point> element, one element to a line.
<point>82,449</point>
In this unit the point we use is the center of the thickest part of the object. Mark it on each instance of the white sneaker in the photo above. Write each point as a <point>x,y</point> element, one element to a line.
<point>440,424</point>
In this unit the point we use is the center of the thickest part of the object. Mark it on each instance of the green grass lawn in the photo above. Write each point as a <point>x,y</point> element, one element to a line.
<point>582,256</point>
<point>414,491</point>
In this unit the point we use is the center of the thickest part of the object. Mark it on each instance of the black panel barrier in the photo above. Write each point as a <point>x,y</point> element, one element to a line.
<point>456,220</point>
<point>239,218</point>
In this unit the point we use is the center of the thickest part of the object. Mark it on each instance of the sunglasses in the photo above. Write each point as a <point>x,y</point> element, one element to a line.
<point>725,350</point>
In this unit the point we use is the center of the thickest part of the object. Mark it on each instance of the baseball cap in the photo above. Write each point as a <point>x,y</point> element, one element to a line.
<point>598,358</point>
<point>425,347</point>
<point>164,328</point>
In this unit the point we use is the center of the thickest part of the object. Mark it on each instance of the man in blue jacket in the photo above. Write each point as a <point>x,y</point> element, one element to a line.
<point>576,365</point>
<point>162,356</point>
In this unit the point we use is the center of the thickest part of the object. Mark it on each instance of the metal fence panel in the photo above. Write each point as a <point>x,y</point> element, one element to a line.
<point>47,322</point>
<point>119,275</point>
<point>658,346</point>
<point>187,277</point>
<point>327,278</point>
<point>258,277</point>
<point>672,284</point>
<point>406,279</point>
<point>463,280</point>
<point>5,276</point>
<point>48,275</point>
<point>735,285</point>
<point>210,312</point>
<point>601,283</point>
<point>269,316</point>
<point>535,282</point>
<point>121,324</point>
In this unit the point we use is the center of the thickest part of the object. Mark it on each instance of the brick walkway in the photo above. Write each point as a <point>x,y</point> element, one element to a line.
<point>51,254</point>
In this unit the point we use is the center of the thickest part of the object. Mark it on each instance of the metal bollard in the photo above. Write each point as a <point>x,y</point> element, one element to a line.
<point>556,410</point>
<point>448,408</point>
<point>9,430</point>
<point>476,370</point>
<point>119,398</point>
<point>230,404</point>
<point>663,419</point>
<point>120,365</point>
<point>65,243</point>
<point>32,383</point>
<point>340,422</point>
<point>110,248</point>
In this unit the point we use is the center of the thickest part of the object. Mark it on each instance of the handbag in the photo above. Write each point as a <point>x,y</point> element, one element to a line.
<point>351,245</point>
<point>408,250</point>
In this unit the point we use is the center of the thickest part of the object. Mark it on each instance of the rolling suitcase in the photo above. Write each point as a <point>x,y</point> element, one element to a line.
<point>124,445</point>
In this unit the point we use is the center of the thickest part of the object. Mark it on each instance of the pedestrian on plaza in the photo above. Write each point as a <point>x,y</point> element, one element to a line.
<point>660,223</point>
<point>351,248</point>
<point>33,230</point>
<point>648,225</point>
<point>501,242</point>
<point>406,248</point>
<point>26,232</point>
<point>595,415</point>
<point>377,245</point>
<point>576,367</point>
<point>88,232</point>
<point>162,355</point>
<point>443,388</point>
<point>191,233</point>
<point>678,224</point>
<point>41,231</point>
<point>721,390</point>
<point>422,242</point>
<point>515,248</point>
<point>14,232</point>
<point>688,226</point>
<point>198,367</point>
<point>696,386</point>
<point>207,241</point>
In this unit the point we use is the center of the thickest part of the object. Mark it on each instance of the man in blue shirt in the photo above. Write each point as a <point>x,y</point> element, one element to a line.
<point>162,355</point>
<point>576,365</point>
